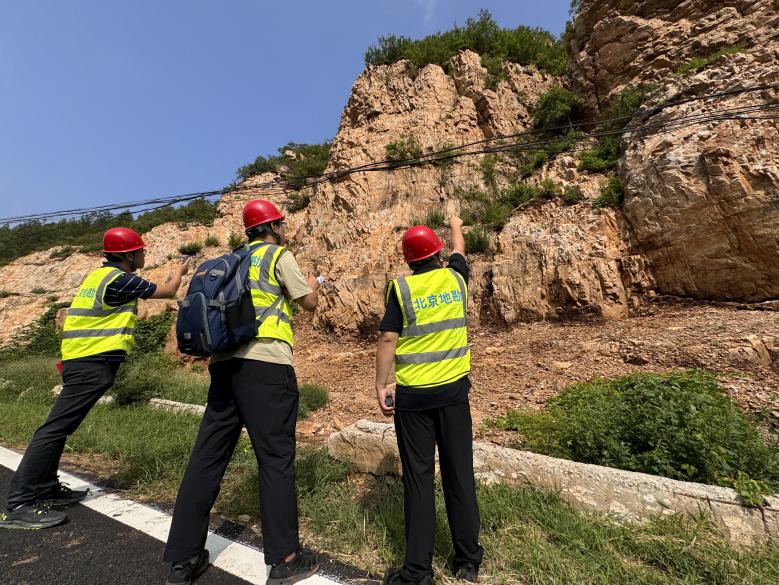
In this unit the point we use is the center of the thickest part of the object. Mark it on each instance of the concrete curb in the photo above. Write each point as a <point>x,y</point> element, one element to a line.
<point>372,447</point>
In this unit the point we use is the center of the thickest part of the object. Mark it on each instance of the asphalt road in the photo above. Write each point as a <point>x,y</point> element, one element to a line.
<point>91,549</point>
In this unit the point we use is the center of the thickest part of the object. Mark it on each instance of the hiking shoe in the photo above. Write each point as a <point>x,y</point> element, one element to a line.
<point>184,572</point>
<point>303,565</point>
<point>31,517</point>
<point>467,572</point>
<point>62,495</point>
<point>394,577</point>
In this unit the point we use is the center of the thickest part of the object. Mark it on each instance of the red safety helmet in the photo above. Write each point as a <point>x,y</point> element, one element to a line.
<point>258,212</point>
<point>420,242</point>
<point>118,240</point>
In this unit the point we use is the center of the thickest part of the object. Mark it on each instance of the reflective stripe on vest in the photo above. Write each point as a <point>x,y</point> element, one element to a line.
<point>92,327</point>
<point>433,344</point>
<point>270,304</point>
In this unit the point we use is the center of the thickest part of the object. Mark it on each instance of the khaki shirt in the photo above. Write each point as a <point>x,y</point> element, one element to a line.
<point>267,349</point>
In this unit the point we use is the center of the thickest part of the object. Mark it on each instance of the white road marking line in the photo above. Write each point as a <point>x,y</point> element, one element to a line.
<point>233,557</point>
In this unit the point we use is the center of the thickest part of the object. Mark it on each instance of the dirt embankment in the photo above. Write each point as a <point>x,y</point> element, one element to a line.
<point>526,365</point>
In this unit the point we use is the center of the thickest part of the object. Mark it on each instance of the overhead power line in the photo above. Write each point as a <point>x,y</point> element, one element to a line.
<point>506,143</point>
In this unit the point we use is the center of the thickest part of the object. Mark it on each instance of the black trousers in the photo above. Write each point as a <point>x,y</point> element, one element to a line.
<point>84,382</point>
<point>264,397</point>
<point>418,433</point>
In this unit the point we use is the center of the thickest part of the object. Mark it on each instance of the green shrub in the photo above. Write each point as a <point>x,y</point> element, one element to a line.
<point>234,241</point>
<point>298,201</point>
<point>435,219</point>
<point>548,189</point>
<point>63,253</point>
<point>520,193</point>
<point>680,425</point>
<point>388,50</point>
<point>557,107</point>
<point>146,370</point>
<point>5,293</point>
<point>312,397</point>
<point>212,241</point>
<point>617,115</point>
<point>612,194</point>
<point>697,63</point>
<point>152,333</point>
<point>483,34</point>
<point>602,158</point>
<point>477,241</point>
<point>41,337</point>
<point>406,147</point>
<point>39,291</point>
<point>190,248</point>
<point>572,194</point>
<point>310,160</point>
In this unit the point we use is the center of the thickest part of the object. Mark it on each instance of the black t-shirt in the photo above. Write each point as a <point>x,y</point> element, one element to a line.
<point>411,398</point>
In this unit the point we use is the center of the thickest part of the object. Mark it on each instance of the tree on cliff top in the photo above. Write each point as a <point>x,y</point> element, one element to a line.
<point>524,45</point>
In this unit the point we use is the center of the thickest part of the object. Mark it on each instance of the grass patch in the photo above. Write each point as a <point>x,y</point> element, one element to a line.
<point>312,397</point>
<point>681,426</point>
<point>406,147</point>
<point>477,241</point>
<point>39,338</point>
<point>235,240</point>
<point>39,291</point>
<point>212,242</point>
<point>529,536</point>
<point>190,248</point>
<point>612,194</point>
<point>435,219</point>
<point>698,63</point>
<point>298,201</point>
<point>63,253</point>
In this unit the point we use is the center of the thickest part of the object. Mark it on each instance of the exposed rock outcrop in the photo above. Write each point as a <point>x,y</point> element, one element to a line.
<point>619,43</point>
<point>702,200</point>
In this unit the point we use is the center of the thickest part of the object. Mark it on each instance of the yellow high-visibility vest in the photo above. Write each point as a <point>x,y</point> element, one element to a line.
<point>271,305</point>
<point>433,344</point>
<point>91,326</point>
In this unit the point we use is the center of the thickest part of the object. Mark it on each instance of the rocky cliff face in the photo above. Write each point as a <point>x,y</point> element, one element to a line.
<point>620,43</point>
<point>702,201</point>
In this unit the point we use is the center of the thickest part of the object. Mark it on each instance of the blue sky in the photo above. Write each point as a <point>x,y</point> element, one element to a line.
<point>103,102</point>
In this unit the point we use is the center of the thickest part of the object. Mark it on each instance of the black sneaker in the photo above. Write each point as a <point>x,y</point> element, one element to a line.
<point>62,495</point>
<point>467,572</point>
<point>394,577</point>
<point>302,566</point>
<point>184,572</point>
<point>31,517</point>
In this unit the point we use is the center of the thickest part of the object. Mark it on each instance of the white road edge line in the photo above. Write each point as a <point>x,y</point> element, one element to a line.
<point>235,558</point>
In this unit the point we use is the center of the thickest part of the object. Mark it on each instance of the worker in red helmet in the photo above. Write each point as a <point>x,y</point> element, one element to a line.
<point>424,331</point>
<point>98,332</point>
<point>253,385</point>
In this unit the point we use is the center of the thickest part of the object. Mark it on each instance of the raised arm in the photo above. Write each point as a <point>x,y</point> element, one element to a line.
<point>458,241</point>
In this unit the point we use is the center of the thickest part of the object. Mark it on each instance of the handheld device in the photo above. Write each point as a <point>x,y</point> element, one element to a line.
<point>389,402</point>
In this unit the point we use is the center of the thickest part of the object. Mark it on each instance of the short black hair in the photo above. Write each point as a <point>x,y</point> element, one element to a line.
<point>113,257</point>
<point>419,263</point>
<point>259,231</point>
